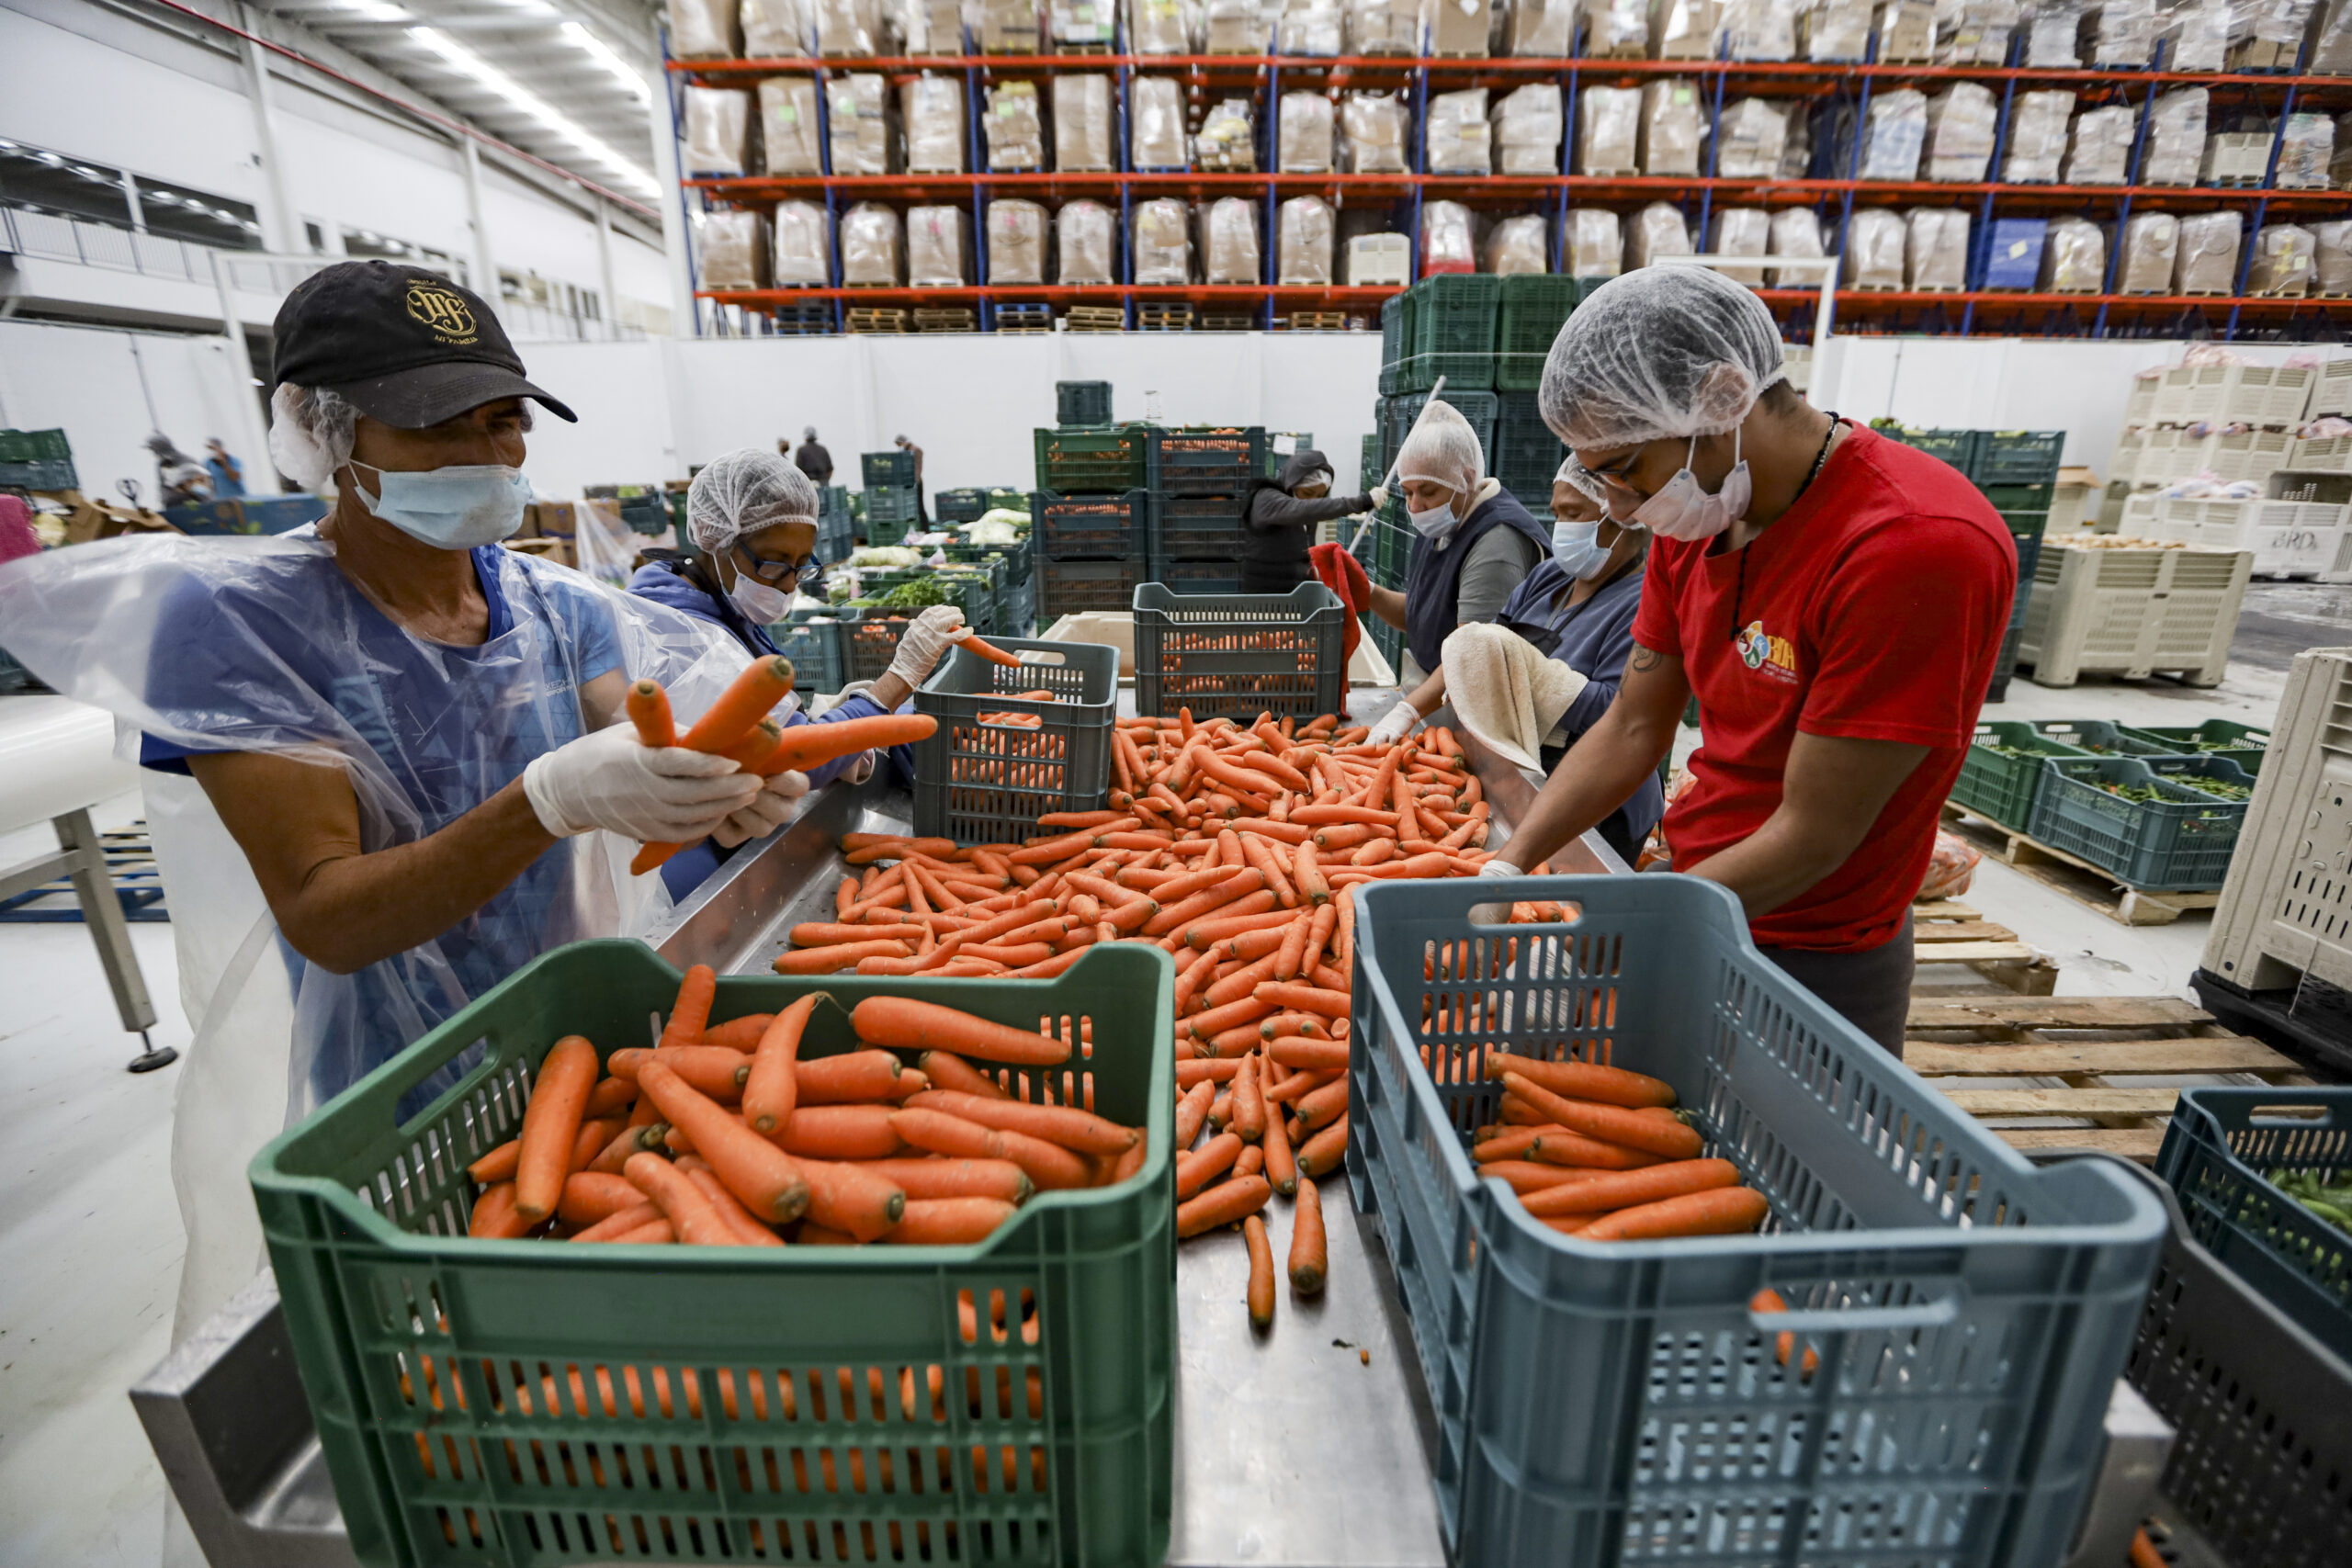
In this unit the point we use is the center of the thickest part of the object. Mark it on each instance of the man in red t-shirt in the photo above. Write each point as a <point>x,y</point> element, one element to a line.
<point>1834,598</point>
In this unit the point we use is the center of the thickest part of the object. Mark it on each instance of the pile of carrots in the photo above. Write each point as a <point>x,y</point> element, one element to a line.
<point>723,1136</point>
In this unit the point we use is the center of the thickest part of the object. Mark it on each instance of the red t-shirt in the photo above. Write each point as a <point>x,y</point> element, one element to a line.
<point>1871,610</point>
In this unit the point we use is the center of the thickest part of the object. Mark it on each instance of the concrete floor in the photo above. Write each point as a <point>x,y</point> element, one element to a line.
<point>86,1212</point>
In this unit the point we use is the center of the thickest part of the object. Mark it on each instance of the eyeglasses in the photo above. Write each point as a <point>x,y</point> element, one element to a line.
<point>772,572</point>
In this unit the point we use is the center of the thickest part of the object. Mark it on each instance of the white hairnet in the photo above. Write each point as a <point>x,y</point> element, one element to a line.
<point>745,491</point>
<point>1442,450</point>
<point>1664,351</point>
<point>310,433</point>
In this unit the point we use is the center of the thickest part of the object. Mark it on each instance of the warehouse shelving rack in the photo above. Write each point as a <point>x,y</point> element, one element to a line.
<point>1832,190</point>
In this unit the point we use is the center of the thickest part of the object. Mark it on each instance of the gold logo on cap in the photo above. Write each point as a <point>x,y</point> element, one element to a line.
<point>440,310</point>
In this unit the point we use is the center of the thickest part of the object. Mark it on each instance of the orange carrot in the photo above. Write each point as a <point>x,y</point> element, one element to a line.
<point>611,1096</point>
<point>990,651</point>
<point>648,706</point>
<point>766,1179</point>
<point>1614,1123</point>
<point>1053,1167</point>
<point>589,1197</point>
<point>630,1140</point>
<point>690,1014</point>
<point>1556,1146</point>
<point>494,1218</point>
<point>1630,1189</point>
<point>1073,1128</point>
<point>715,1070</point>
<point>1317,1107</point>
<point>1584,1081</point>
<point>1321,1154</point>
<point>1722,1211</point>
<point>851,1198</point>
<point>907,1024</point>
<point>853,1077</point>
<point>1197,1168</point>
<point>1248,1102</point>
<point>498,1165</point>
<point>748,700</point>
<point>644,1212</point>
<point>1206,1069</point>
<point>839,1131</point>
<point>842,955</point>
<point>695,1217</point>
<point>551,1126</point>
<point>942,1134</point>
<point>948,1071</point>
<point>1305,998</point>
<point>1190,1112</point>
<point>1282,1165</point>
<point>929,1178</point>
<point>1222,1205</point>
<point>1769,1300</point>
<point>1298,1051</point>
<point>741,1220</point>
<point>770,1086</point>
<point>948,1221</point>
<point>1310,1258</point>
<point>1261,1273</point>
<point>2142,1551</point>
<point>1252,1161</point>
<point>1130,1163</point>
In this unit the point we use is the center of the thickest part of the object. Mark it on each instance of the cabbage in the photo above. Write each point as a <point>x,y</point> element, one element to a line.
<point>1001,525</point>
<point>891,555</point>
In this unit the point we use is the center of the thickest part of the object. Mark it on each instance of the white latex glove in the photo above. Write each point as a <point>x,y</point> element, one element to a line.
<point>1495,914</point>
<point>1378,496</point>
<point>926,638</point>
<point>1394,726</point>
<point>663,794</point>
<point>765,814</point>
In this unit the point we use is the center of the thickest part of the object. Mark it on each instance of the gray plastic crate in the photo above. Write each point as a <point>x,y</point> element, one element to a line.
<point>2180,841</point>
<point>987,783</point>
<point>1239,655</point>
<point>817,644</point>
<point>1620,1401</point>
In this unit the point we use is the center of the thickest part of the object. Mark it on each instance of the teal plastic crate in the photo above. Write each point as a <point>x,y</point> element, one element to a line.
<point>1092,459</point>
<point>1621,1401</point>
<point>959,506</point>
<point>1197,527</point>
<point>1388,640</point>
<point>1481,409</point>
<point>1395,338</point>
<point>2240,743</point>
<point>1068,587</point>
<point>2098,737</point>
<point>35,447</point>
<point>1392,547</point>
<point>1957,447</point>
<point>1239,655</point>
<point>2206,774</point>
<point>1082,403</point>
<point>1090,527</point>
<point>772,1403</point>
<point>981,781</point>
<point>2017,456</point>
<point>1373,469</point>
<point>2180,841</point>
<point>1205,459</point>
<point>1453,333</point>
<point>2001,774</point>
<point>894,468</point>
<point>1196,577</point>
<point>1524,454</point>
<point>1017,614</point>
<point>1533,307</point>
<point>817,641</point>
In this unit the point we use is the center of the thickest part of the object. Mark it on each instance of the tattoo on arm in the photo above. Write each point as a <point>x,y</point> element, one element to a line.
<point>1644,660</point>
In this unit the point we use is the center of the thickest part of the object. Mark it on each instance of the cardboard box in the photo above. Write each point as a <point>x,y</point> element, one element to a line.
<point>86,519</point>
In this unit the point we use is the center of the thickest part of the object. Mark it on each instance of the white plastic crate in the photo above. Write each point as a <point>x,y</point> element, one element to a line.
<point>2339,568</point>
<point>2328,455</point>
<point>2250,455</point>
<point>2237,394</point>
<point>1378,259</point>
<point>2286,910</point>
<point>2331,389</point>
<point>1797,359</point>
<point>2168,455</point>
<point>2140,405</point>
<point>2289,538</point>
<point>2131,613</point>
<point>2236,157</point>
<point>2123,464</point>
<point>2139,518</point>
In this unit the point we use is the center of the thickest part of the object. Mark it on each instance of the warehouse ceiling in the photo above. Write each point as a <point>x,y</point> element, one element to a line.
<point>568,81</point>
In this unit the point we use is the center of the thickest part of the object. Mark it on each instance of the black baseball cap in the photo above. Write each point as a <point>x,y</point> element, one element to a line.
<point>403,344</point>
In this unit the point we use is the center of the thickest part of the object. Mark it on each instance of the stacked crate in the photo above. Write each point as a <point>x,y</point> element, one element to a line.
<point>1199,479</point>
<point>893,498</point>
<point>836,528</point>
<point>37,460</point>
<point>1089,517</point>
<point>2178,425</point>
<point>1533,307</point>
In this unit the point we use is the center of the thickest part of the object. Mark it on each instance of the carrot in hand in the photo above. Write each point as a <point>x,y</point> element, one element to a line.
<point>808,746</point>
<point>1261,1273</point>
<point>648,706</point>
<point>749,699</point>
<point>551,1124</point>
<point>1310,1260</point>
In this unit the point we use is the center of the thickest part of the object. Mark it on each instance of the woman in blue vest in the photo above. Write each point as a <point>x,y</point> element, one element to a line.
<point>1476,542</point>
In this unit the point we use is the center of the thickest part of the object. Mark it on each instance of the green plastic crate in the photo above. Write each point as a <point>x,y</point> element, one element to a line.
<point>2025,524</point>
<point>2002,787</point>
<point>1957,447</point>
<point>2094,736</point>
<point>1397,414</point>
<point>1236,656</point>
<point>973,592</point>
<point>1453,333</point>
<point>2206,774</point>
<point>2021,497</point>
<point>817,641</point>
<point>892,468</point>
<point>1374,470</point>
<point>1535,306</point>
<point>1110,457</point>
<point>2240,743</point>
<point>2017,456</point>
<point>1524,454</point>
<point>35,447</point>
<point>2179,842</point>
<point>1392,546</point>
<point>425,1353</point>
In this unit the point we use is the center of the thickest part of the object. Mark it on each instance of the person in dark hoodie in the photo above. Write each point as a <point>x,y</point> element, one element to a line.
<point>1278,524</point>
<point>754,516</point>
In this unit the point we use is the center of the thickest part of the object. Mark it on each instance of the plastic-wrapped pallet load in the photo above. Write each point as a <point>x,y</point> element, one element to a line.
<point>2331,50</point>
<point>1384,26</point>
<point>1834,30</point>
<point>2036,144</point>
<point>2073,257</point>
<point>1906,30</point>
<point>1303,243</point>
<point>1596,244</point>
<point>1015,125</point>
<point>1794,231</point>
<point>1874,241</point>
<point>1616,30</point>
<point>2144,259</point>
<point>2176,138</point>
<point>1448,239</point>
<point>1305,127</point>
<point>2197,35</point>
<point>1457,28</point>
<point>929,26</point>
<point>1975,33</point>
<point>1674,124</point>
<point>1960,134</point>
<point>704,29</point>
<point>788,125</point>
<point>773,30</point>
<point>1541,28</point>
<point>2306,148</point>
<point>1458,137</point>
<point>1002,27</point>
<point>719,130</point>
<point>1229,241</point>
<point>2051,27</point>
<point>2207,261</point>
<point>1528,124</point>
<point>732,248</point>
<point>1682,29</point>
<point>872,246</point>
<point>1085,243</point>
<point>1935,249</point>
<point>804,245</point>
<point>1517,244</point>
<point>937,251</point>
<point>1372,133</point>
<point>1742,231</point>
<point>2099,147</point>
<point>1016,241</point>
<point>1656,230</point>
<point>1156,105</point>
<point>1756,29</point>
<point>2122,32</point>
<point>857,116</point>
<point>1083,122</point>
<point>2332,257</point>
<point>2267,35</point>
<point>1609,130</point>
<point>2285,261</point>
<point>1796,152</point>
<point>1074,25</point>
<point>932,109</point>
<point>1159,26</point>
<point>1232,27</point>
<point>847,28</point>
<point>1751,139</point>
<point>1309,27</point>
<point>1894,136</point>
<point>2339,167</point>
<point>2013,253</point>
<point>1163,245</point>
<point>1228,143</point>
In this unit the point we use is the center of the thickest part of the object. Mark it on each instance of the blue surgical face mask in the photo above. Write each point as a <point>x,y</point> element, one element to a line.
<point>450,509</point>
<point>1577,548</point>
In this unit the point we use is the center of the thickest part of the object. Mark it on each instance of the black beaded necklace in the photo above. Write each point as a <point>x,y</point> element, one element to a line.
<point>1739,586</point>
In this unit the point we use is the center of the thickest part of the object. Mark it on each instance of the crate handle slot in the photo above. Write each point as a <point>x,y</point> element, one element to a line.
<point>2290,1115</point>
<point>1936,1314</point>
<point>1043,656</point>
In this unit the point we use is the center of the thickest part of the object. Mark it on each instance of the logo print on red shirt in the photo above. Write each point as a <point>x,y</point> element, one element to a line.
<point>1759,650</point>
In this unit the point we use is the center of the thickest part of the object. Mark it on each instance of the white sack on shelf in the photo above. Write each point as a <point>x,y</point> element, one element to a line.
<point>1674,124</point>
<point>1384,26</point>
<point>1894,135</point>
<point>2207,261</point>
<point>2332,256</point>
<point>847,26</point>
<point>804,245</point>
<point>1309,27</point>
<point>1229,241</point>
<point>2176,146</point>
<point>2285,263</point>
<point>932,109</point>
<point>732,248</point>
<point>704,29</point>
<point>719,130</point>
<point>2122,32</point>
<point>872,246</point>
<point>1795,231</point>
<point>1157,104</point>
<point>1159,26</point>
<point>1305,127</point>
<point>1528,126</point>
<point>1016,241</point>
<point>1874,241</point>
<point>1519,245</point>
<point>788,140</point>
<point>2098,148</point>
<point>2144,259</point>
<point>1609,130</point>
<point>1457,134</point>
<point>1935,249</point>
<point>1541,29</point>
<point>1228,141</point>
<point>1756,29</point>
<point>1742,231</point>
<point>773,30</point>
<point>936,250</point>
<point>1754,135</point>
<point>1679,29</point>
<point>2051,27</point>
<point>1303,243</point>
<point>1834,30</point>
<point>1960,133</point>
<point>1083,122</point>
<point>1015,125</point>
<point>1596,244</point>
<point>1446,239</point>
<point>1656,230</point>
<point>857,114</point>
<point>2036,144</point>
<point>1162,243</point>
<point>2073,257</point>
<point>1084,243</point>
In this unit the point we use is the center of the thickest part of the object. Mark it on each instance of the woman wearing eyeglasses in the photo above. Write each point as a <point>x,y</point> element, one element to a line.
<point>754,516</point>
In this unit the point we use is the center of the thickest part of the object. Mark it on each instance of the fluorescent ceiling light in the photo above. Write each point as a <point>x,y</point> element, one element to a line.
<point>607,56</point>
<point>466,62</point>
<point>377,10</point>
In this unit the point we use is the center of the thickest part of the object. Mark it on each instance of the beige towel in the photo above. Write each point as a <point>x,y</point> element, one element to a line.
<point>1506,692</point>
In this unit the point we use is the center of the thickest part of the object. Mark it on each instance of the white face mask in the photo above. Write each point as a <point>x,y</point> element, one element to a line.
<point>1436,524</point>
<point>1682,510</point>
<point>761,604</point>
<point>1577,546</point>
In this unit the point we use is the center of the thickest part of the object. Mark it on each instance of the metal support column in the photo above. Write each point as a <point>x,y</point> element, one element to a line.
<point>82,857</point>
<point>281,227</point>
<point>485,263</point>
<point>605,270</point>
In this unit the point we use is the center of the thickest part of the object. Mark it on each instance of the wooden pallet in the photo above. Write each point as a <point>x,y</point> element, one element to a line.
<point>1313,322</point>
<point>2094,888</point>
<point>947,320</point>
<point>2062,1055</point>
<point>877,319</point>
<point>1095,319</point>
<point>1225,325</point>
<point>1159,318</point>
<point>1947,932</point>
